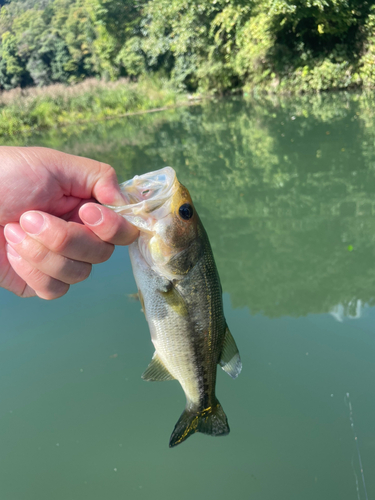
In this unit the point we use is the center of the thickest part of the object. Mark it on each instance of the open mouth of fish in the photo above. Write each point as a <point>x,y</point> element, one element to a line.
<point>148,194</point>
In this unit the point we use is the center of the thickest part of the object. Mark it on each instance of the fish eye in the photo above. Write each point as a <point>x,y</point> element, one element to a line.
<point>186,211</point>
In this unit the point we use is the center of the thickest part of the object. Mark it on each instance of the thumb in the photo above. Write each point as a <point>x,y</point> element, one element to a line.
<point>78,176</point>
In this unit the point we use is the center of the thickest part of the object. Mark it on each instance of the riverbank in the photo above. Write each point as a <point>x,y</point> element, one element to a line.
<point>24,111</point>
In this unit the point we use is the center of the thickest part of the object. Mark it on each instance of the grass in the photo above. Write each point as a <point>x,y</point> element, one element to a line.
<point>23,111</point>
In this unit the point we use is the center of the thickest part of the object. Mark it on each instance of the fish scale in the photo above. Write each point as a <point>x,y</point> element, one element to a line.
<point>181,297</point>
<point>166,326</point>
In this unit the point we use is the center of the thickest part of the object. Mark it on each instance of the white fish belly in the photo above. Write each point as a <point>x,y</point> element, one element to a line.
<point>169,329</point>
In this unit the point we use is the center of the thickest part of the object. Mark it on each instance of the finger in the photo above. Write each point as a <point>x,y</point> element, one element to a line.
<point>69,239</point>
<point>40,257</point>
<point>108,225</point>
<point>80,177</point>
<point>73,215</point>
<point>44,286</point>
<point>9,279</point>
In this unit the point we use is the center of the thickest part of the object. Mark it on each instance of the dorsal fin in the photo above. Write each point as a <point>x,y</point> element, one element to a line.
<point>156,371</point>
<point>230,360</point>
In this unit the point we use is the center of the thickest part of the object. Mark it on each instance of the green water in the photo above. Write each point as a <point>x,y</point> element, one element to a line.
<point>285,190</point>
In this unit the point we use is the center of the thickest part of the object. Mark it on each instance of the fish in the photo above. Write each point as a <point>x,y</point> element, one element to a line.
<point>181,296</point>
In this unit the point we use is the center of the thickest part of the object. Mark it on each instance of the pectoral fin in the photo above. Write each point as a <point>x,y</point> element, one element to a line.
<point>230,360</point>
<point>140,295</point>
<point>133,296</point>
<point>175,301</point>
<point>156,371</point>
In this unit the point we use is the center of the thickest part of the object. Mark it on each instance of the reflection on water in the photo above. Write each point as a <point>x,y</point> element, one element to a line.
<point>353,310</point>
<point>285,189</point>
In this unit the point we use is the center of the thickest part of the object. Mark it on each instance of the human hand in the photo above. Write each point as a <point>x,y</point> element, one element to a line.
<point>45,196</point>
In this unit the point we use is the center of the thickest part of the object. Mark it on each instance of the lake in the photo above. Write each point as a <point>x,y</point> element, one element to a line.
<point>285,189</point>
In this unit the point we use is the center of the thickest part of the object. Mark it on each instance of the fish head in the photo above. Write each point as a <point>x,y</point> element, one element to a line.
<point>162,209</point>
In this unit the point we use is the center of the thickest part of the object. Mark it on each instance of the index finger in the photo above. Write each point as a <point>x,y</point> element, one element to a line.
<point>108,225</point>
<point>69,239</point>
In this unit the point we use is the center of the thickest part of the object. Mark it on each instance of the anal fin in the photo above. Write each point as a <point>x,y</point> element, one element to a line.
<point>156,371</point>
<point>230,360</point>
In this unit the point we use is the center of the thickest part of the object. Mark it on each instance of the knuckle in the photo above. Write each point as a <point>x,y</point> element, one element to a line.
<point>53,289</point>
<point>70,271</point>
<point>60,242</point>
<point>85,273</point>
<point>105,253</point>
<point>37,254</point>
<point>34,276</point>
<point>27,292</point>
<point>45,287</point>
<point>56,294</point>
<point>107,171</point>
<point>78,272</point>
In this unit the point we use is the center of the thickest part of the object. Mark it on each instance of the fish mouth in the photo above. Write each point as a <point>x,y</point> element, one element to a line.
<point>146,197</point>
<point>153,186</point>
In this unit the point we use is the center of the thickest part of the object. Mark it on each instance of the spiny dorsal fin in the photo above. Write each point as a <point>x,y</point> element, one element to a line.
<point>156,371</point>
<point>230,360</point>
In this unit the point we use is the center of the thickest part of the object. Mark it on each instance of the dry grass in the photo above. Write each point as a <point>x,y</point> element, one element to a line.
<point>26,110</point>
<point>61,91</point>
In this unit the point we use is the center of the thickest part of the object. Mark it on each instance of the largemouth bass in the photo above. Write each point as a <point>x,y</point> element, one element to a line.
<point>181,296</point>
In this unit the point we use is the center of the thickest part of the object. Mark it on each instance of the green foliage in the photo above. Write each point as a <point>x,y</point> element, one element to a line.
<point>21,112</point>
<point>65,40</point>
<point>210,45</point>
<point>11,68</point>
<point>367,62</point>
<point>285,187</point>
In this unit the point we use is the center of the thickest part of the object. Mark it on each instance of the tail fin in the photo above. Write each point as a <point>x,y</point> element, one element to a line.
<point>212,421</point>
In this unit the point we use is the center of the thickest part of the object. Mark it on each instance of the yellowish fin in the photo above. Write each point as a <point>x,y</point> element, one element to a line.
<point>134,297</point>
<point>137,297</point>
<point>175,301</point>
<point>212,421</point>
<point>156,371</point>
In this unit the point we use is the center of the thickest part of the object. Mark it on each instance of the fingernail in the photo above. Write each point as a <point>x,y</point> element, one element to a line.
<point>32,222</point>
<point>11,252</point>
<point>91,214</point>
<point>14,233</point>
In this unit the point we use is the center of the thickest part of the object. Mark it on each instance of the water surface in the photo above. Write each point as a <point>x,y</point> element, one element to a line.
<point>285,189</point>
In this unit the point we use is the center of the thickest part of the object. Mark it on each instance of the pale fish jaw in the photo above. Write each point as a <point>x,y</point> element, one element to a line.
<point>147,196</point>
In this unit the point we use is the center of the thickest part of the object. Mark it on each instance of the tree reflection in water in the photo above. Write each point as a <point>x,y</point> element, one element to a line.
<point>285,188</point>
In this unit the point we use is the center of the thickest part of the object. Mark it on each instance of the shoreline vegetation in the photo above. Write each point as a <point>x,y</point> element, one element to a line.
<point>272,155</point>
<point>78,107</point>
<point>69,61</point>
<point>24,111</point>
